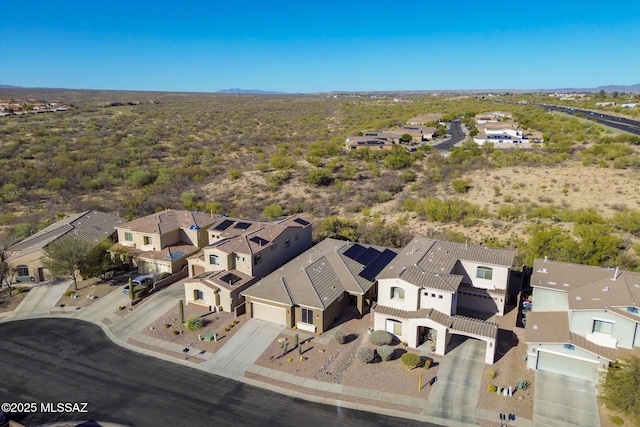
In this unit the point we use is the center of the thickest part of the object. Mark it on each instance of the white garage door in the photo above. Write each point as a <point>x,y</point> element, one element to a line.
<point>268,313</point>
<point>567,366</point>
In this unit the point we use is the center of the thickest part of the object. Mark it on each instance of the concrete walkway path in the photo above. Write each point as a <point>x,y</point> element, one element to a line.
<point>560,401</point>
<point>243,349</point>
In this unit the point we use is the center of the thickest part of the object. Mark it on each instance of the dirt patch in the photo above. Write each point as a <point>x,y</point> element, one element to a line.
<point>336,363</point>
<point>9,303</point>
<point>169,328</point>
<point>88,292</point>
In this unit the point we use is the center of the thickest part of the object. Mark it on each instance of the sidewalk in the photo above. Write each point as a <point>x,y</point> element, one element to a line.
<point>239,354</point>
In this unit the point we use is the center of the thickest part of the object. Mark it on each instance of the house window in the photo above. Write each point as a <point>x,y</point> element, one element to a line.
<point>397,293</point>
<point>394,327</point>
<point>307,316</point>
<point>484,273</point>
<point>287,243</point>
<point>440,297</point>
<point>257,259</point>
<point>147,240</point>
<point>296,237</point>
<point>22,270</point>
<point>128,236</point>
<point>602,327</point>
<point>198,294</point>
<point>214,260</point>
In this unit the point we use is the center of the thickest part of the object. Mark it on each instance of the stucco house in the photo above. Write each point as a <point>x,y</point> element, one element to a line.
<point>582,318</point>
<point>90,226</point>
<point>500,133</point>
<point>239,253</point>
<point>373,141</point>
<point>422,291</point>
<point>311,291</point>
<point>424,119</point>
<point>161,242</point>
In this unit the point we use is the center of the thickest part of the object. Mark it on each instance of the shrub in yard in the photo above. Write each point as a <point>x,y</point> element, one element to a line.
<point>194,323</point>
<point>69,293</point>
<point>339,337</point>
<point>176,332</point>
<point>167,325</point>
<point>22,289</point>
<point>427,363</point>
<point>492,388</point>
<point>493,374</point>
<point>381,338</point>
<point>385,352</point>
<point>410,360</point>
<point>617,420</point>
<point>522,385</point>
<point>366,354</point>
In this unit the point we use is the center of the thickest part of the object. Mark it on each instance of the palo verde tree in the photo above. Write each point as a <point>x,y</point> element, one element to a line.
<point>66,257</point>
<point>621,385</point>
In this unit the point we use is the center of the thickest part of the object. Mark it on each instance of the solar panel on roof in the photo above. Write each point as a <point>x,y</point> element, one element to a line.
<point>259,240</point>
<point>367,256</point>
<point>175,255</point>
<point>354,251</point>
<point>242,225</point>
<point>223,225</point>
<point>301,221</point>
<point>379,263</point>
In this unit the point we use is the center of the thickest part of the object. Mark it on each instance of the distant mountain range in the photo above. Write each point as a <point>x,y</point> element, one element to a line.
<point>608,88</point>
<point>251,91</point>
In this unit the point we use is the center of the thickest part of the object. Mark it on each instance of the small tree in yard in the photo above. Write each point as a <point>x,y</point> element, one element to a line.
<point>6,275</point>
<point>385,352</point>
<point>410,360</point>
<point>621,385</point>
<point>366,354</point>
<point>194,323</point>
<point>66,257</point>
<point>381,338</point>
<point>339,337</point>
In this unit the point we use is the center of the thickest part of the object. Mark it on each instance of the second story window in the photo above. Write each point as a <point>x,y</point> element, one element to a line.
<point>147,240</point>
<point>214,260</point>
<point>128,236</point>
<point>602,327</point>
<point>287,243</point>
<point>257,259</point>
<point>397,293</point>
<point>484,273</point>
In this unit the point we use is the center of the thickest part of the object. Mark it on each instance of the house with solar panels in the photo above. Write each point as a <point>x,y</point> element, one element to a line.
<point>434,290</point>
<point>91,227</point>
<point>312,290</point>
<point>161,242</point>
<point>240,252</point>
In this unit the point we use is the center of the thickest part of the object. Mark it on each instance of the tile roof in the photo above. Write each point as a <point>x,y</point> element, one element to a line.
<point>430,263</point>
<point>90,226</point>
<point>169,253</point>
<point>321,274</point>
<point>589,287</point>
<point>169,220</point>
<point>552,327</point>
<point>467,325</point>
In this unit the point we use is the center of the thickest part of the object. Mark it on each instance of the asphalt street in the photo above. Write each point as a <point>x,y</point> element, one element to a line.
<point>457,135</point>
<point>72,361</point>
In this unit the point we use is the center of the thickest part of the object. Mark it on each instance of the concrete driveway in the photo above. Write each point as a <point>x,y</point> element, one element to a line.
<point>243,348</point>
<point>40,300</point>
<point>455,393</point>
<point>564,401</point>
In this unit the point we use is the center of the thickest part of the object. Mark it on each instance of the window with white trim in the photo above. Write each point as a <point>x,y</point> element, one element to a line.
<point>307,316</point>
<point>394,327</point>
<point>22,270</point>
<point>484,273</point>
<point>214,260</point>
<point>128,236</point>
<point>397,293</point>
<point>602,327</point>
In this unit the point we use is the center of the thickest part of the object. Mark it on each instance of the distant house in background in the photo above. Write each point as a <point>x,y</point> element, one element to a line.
<point>89,226</point>
<point>582,318</point>
<point>239,253</point>
<point>498,127</point>
<point>161,242</point>
<point>311,291</point>
<point>424,290</point>
<point>424,119</point>
<point>373,141</point>
<point>629,105</point>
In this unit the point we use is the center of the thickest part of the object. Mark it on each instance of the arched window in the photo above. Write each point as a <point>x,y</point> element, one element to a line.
<point>484,273</point>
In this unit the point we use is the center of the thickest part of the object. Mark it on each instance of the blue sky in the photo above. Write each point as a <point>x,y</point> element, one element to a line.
<point>319,46</point>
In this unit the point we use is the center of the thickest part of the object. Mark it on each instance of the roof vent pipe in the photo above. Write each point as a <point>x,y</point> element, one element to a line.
<point>615,274</point>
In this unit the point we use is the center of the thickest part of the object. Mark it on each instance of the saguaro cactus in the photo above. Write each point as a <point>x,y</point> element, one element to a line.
<point>181,308</point>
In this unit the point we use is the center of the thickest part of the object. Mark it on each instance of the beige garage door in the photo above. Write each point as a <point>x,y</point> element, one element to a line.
<point>269,313</point>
